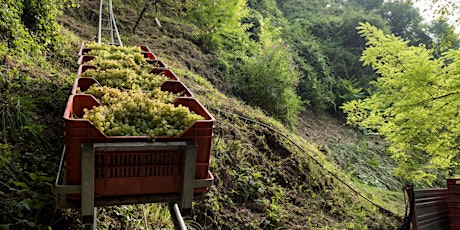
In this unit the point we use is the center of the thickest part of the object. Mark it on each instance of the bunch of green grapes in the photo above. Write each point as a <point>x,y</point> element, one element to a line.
<point>115,58</point>
<point>125,60</point>
<point>148,81</point>
<point>104,93</point>
<point>133,113</point>
<point>130,63</point>
<point>111,48</point>
<point>108,95</point>
<point>100,116</point>
<point>126,78</point>
<point>164,96</point>
<point>114,78</point>
<point>104,64</point>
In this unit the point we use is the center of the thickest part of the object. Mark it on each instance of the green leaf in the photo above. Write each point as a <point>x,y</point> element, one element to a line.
<point>33,176</point>
<point>26,203</point>
<point>20,184</point>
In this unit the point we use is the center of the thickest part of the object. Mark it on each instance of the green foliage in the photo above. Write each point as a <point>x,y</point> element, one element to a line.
<point>415,105</point>
<point>405,22</point>
<point>31,25</point>
<point>262,71</point>
<point>250,183</point>
<point>368,5</point>
<point>444,38</point>
<point>317,81</point>
<point>269,81</point>
<point>219,23</point>
<point>348,91</point>
<point>140,216</point>
<point>12,117</point>
<point>12,29</point>
<point>31,100</point>
<point>27,152</point>
<point>275,213</point>
<point>15,113</point>
<point>327,48</point>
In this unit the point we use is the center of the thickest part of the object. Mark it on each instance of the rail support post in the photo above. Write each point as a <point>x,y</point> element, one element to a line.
<point>88,211</point>
<point>188,185</point>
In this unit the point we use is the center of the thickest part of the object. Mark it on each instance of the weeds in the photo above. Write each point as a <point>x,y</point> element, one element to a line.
<point>141,216</point>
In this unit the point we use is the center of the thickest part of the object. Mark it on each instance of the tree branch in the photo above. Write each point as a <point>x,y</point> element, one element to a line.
<point>433,99</point>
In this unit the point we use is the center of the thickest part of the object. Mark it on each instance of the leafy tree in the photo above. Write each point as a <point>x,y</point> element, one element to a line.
<point>219,23</point>
<point>444,38</point>
<point>308,34</point>
<point>268,8</point>
<point>349,46</point>
<point>260,9</point>
<point>367,5</point>
<point>405,21</point>
<point>29,27</point>
<point>268,79</point>
<point>441,8</point>
<point>144,6</point>
<point>294,9</point>
<point>28,23</point>
<point>328,48</point>
<point>316,80</point>
<point>415,105</point>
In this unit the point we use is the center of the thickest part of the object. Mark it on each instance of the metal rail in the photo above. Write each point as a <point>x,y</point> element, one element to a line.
<point>106,15</point>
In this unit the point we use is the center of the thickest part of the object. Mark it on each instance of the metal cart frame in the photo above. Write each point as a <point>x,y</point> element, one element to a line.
<point>88,203</point>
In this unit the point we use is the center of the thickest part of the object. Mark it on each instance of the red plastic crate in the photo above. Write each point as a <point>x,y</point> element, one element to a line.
<point>172,86</point>
<point>85,58</point>
<point>149,55</point>
<point>147,52</point>
<point>157,62</point>
<point>83,68</point>
<point>83,50</point>
<point>145,48</point>
<point>145,172</point>
<point>453,185</point>
<point>79,131</point>
<point>83,83</point>
<point>167,72</point>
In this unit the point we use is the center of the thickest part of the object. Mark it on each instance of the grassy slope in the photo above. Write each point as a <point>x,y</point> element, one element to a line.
<point>262,179</point>
<point>33,95</point>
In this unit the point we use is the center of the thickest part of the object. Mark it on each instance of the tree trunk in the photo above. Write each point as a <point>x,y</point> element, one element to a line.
<point>141,15</point>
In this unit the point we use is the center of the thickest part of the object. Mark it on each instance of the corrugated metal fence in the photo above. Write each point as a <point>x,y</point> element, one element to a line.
<point>431,210</point>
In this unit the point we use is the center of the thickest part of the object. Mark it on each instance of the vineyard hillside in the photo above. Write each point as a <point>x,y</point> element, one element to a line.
<point>315,173</point>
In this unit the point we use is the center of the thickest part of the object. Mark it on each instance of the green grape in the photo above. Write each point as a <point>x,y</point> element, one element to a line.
<point>125,78</point>
<point>110,48</point>
<point>132,102</point>
<point>134,113</point>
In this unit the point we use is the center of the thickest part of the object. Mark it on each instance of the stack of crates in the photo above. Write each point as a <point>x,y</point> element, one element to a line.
<point>131,172</point>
